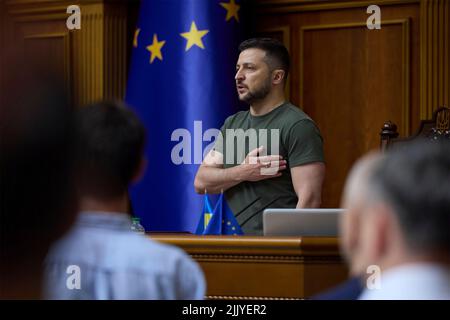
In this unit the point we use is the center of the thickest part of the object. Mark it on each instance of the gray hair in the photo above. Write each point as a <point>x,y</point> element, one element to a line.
<point>415,182</point>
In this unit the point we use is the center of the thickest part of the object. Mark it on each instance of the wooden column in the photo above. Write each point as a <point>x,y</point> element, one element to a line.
<point>434,56</point>
<point>100,50</point>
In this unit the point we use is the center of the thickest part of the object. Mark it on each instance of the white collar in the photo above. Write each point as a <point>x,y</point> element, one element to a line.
<point>415,281</point>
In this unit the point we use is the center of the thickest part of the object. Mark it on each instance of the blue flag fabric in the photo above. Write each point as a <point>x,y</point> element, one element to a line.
<point>206,215</point>
<point>223,221</point>
<point>181,83</point>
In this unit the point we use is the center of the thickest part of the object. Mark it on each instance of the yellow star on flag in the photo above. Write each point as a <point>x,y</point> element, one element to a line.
<point>136,35</point>
<point>194,37</point>
<point>155,48</point>
<point>232,10</point>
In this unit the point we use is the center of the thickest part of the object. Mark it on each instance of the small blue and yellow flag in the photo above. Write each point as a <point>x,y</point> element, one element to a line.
<point>205,216</point>
<point>223,221</point>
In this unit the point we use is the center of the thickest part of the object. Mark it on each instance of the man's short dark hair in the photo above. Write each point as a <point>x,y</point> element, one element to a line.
<point>110,143</point>
<point>277,56</point>
<point>415,181</point>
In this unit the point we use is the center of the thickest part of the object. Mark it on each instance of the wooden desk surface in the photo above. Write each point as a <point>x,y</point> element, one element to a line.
<point>249,267</point>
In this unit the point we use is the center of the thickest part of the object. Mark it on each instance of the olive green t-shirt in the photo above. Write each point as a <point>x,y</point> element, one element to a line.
<point>299,142</point>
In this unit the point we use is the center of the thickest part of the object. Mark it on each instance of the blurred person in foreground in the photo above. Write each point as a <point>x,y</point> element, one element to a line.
<point>397,221</point>
<point>355,196</point>
<point>102,256</point>
<point>37,203</point>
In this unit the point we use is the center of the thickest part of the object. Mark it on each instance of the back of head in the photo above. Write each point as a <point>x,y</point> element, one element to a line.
<point>277,56</point>
<point>357,187</point>
<point>415,182</point>
<point>357,197</point>
<point>110,143</point>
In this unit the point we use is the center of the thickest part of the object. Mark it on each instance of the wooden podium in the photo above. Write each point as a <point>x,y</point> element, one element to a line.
<point>249,267</point>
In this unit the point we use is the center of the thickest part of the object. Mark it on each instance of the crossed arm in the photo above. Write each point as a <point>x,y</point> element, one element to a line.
<point>213,178</point>
<point>307,179</point>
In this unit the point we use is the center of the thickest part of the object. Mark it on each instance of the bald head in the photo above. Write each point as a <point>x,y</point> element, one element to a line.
<point>357,187</point>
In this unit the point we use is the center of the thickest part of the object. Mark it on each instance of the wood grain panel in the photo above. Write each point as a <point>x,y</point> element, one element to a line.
<point>115,55</point>
<point>292,6</point>
<point>349,106</point>
<point>349,79</point>
<point>46,44</point>
<point>435,56</point>
<point>96,60</point>
<point>2,45</point>
<point>54,49</point>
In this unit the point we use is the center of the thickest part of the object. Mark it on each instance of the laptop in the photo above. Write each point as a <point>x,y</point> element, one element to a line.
<point>301,222</point>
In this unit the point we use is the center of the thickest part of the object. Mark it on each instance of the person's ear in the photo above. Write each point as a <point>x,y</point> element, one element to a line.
<point>384,226</point>
<point>278,76</point>
<point>348,231</point>
<point>352,229</point>
<point>139,171</point>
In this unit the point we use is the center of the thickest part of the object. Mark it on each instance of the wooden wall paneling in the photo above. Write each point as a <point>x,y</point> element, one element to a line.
<point>115,56</point>
<point>96,60</point>
<point>7,42</point>
<point>367,50</point>
<point>101,49</point>
<point>2,46</point>
<point>434,56</point>
<point>88,55</point>
<point>349,109</point>
<point>347,78</point>
<point>43,38</point>
<point>295,6</point>
<point>56,50</point>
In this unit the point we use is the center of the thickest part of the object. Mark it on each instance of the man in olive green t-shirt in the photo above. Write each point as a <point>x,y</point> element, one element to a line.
<point>270,156</point>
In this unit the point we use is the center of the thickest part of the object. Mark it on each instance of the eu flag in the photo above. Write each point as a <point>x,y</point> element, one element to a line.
<point>181,84</point>
<point>223,221</point>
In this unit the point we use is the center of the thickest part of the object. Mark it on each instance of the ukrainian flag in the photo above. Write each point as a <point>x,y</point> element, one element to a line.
<point>205,216</point>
